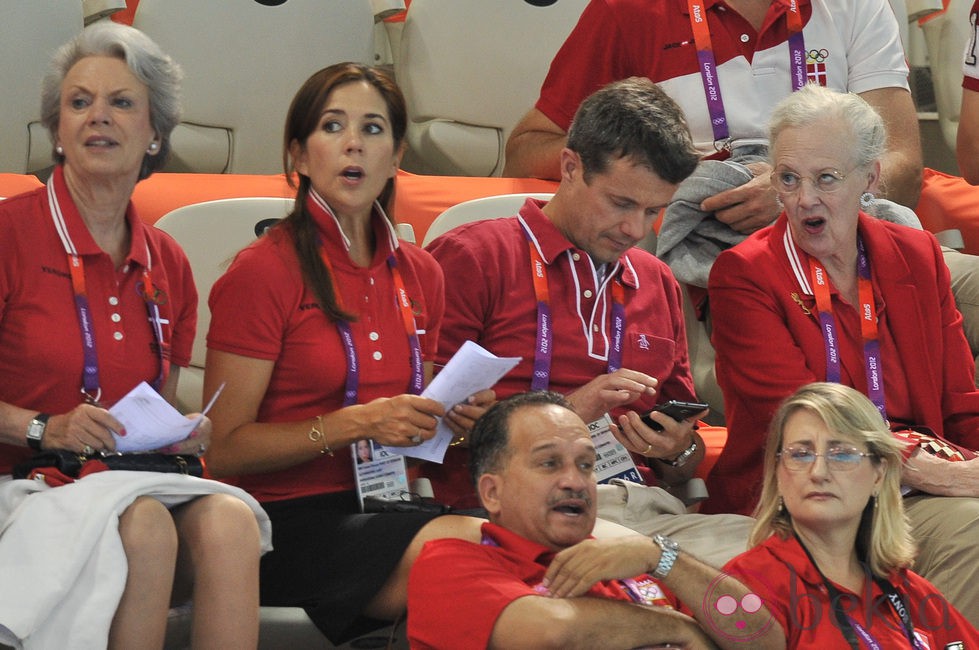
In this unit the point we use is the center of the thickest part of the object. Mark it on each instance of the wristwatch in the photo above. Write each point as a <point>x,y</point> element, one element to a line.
<point>670,551</point>
<point>35,430</point>
<point>685,455</point>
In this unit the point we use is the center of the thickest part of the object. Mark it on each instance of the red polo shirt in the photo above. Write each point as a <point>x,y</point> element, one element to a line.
<point>490,299</point>
<point>457,589</point>
<point>779,572</point>
<point>489,294</point>
<point>41,354</point>
<point>850,46</point>
<point>261,308</point>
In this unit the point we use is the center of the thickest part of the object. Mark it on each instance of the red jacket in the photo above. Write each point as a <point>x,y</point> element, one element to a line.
<point>769,343</point>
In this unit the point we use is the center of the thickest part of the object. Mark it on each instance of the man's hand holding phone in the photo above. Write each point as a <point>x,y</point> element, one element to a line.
<point>677,410</point>
<point>672,441</point>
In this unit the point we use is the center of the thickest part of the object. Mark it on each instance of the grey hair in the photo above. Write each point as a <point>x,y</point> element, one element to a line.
<point>145,59</point>
<point>813,103</point>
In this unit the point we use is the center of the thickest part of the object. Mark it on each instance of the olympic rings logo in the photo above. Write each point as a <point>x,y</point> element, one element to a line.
<point>817,56</point>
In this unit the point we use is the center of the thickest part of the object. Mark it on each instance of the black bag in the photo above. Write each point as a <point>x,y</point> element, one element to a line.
<point>73,464</point>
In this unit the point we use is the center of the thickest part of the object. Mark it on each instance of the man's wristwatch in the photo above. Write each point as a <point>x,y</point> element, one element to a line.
<point>670,551</point>
<point>35,430</point>
<point>685,455</point>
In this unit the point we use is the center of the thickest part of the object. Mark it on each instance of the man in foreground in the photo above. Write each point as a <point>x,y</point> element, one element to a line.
<point>538,580</point>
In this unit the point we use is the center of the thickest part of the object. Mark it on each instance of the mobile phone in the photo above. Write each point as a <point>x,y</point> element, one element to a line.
<point>677,410</point>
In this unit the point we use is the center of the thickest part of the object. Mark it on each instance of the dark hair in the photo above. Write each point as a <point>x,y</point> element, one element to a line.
<point>148,63</point>
<point>302,119</point>
<point>633,118</point>
<point>490,435</point>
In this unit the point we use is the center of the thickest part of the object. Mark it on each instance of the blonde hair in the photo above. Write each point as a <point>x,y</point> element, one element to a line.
<point>884,538</point>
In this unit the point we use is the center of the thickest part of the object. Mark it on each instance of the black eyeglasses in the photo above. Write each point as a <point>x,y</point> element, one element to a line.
<point>838,459</point>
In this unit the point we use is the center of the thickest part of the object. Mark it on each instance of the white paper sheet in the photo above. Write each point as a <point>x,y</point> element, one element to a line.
<point>471,369</point>
<point>150,421</point>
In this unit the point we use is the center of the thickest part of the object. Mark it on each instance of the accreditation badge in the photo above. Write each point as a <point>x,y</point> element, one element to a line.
<point>379,472</point>
<point>612,459</point>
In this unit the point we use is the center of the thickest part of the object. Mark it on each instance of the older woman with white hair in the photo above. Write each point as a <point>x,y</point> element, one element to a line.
<point>828,293</point>
<point>831,547</point>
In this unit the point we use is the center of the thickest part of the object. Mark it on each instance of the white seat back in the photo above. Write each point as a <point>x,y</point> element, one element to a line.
<point>211,233</point>
<point>470,69</point>
<point>486,207</point>
<point>30,32</point>
<point>243,62</point>
<point>946,36</point>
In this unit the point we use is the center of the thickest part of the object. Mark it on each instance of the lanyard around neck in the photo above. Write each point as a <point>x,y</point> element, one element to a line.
<point>352,386</point>
<point>708,64</point>
<point>849,627</point>
<point>543,350</point>
<point>868,326</point>
<point>91,387</point>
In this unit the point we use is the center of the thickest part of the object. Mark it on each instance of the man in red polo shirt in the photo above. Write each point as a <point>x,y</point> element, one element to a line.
<point>538,579</point>
<point>727,64</point>
<point>562,286</point>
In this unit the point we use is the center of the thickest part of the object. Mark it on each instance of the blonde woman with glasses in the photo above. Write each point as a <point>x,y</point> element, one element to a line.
<point>831,548</point>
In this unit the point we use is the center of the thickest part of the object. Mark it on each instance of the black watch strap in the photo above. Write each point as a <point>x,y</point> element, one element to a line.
<point>35,430</point>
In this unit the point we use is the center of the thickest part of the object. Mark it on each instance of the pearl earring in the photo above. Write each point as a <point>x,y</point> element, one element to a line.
<point>59,150</point>
<point>153,147</point>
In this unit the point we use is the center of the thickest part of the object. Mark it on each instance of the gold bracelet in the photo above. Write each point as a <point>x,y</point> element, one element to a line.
<point>317,435</point>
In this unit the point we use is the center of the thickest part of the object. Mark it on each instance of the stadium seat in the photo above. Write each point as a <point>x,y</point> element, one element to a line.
<point>470,69</point>
<point>487,207</point>
<point>210,234</point>
<point>243,62</point>
<point>14,184</point>
<point>946,35</point>
<point>94,10</point>
<point>30,32</point>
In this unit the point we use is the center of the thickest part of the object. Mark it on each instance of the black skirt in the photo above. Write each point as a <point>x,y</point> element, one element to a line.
<point>331,560</point>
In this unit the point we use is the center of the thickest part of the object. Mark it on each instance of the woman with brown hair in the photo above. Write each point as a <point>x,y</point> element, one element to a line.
<point>323,330</point>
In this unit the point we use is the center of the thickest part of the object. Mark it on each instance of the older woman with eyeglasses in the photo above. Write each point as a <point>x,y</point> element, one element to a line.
<point>831,548</point>
<point>828,293</point>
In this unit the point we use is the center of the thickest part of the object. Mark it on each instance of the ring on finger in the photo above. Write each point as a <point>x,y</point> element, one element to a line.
<point>88,450</point>
<point>648,449</point>
<point>416,439</point>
